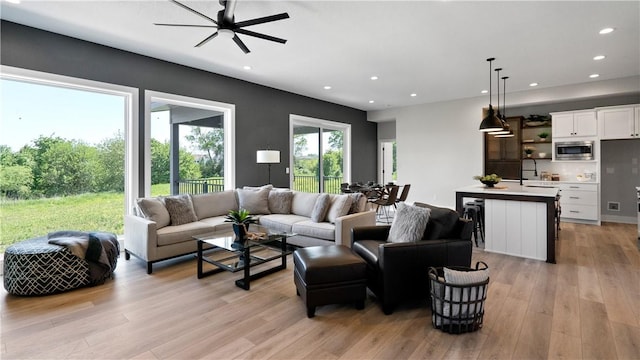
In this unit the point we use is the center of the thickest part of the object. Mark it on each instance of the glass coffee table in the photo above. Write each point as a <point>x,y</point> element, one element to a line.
<point>233,256</point>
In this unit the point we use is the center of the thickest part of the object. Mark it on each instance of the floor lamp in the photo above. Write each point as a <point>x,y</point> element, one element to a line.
<point>268,157</point>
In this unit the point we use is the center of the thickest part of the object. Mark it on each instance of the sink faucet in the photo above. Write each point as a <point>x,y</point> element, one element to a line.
<point>535,168</point>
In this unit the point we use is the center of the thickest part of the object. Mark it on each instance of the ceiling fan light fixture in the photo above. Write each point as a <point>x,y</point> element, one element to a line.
<point>226,33</point>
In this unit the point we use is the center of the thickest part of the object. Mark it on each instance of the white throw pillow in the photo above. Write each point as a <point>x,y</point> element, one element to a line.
<point>254,201</point>
<point>339,206</point>
<point>409,223</point>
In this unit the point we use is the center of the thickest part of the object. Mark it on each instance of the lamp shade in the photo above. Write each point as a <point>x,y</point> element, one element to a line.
<point>491,122</point>
<point>268,157</point>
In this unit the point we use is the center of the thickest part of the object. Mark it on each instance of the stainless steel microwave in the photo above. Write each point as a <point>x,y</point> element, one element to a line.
<point>574,150</point>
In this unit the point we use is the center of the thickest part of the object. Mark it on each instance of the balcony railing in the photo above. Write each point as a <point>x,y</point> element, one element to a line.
<point>309,183</point>
<point>201,186</point>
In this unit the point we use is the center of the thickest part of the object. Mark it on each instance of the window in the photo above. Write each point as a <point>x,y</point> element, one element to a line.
<point>320,154</point>
<point>189,145</point>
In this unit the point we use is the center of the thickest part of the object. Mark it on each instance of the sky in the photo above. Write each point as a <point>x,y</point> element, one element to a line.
<point>29,111</point>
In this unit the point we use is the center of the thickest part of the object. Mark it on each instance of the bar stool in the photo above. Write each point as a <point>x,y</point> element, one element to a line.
<point>472,212</point>
<point>480,202</point>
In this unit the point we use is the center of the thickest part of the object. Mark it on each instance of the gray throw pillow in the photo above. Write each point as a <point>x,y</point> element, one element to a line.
<point>358,202</point>
<point>280,201</point>
<point>154,210</point>
<point>409,223</point>
<point>463,295</point>
<point>180,208</point>
<point>320,208</point>
<point>339,206</point>
<point>254,201</point>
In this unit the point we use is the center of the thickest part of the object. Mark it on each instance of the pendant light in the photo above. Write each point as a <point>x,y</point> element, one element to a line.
<point>505,126</point>
<point>491,122</point>
<point>504,111</point>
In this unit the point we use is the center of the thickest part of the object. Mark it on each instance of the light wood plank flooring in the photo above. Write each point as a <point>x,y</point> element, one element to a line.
<point>585,306</point>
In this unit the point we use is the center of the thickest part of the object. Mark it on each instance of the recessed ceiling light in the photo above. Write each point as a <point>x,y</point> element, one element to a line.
<point>327,87</point>
<point>14,1</point>
<point>374,78</point>
<point>371,101</point>
<point>593,76</point>
<point>484,91</point>
<point>599,57</point>
<point>247,67</point>
<point>606,31</point>
<point>414,95</point>
<point>533,84</point>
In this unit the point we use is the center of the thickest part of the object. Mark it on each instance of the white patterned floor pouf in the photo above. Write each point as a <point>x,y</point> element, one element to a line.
<point>35,267</point>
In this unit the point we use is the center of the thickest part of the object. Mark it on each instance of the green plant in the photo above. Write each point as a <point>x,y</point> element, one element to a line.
<point>543,135</point>
<point>528,151</point>
<point>240,217</point>
<point>488,178</point>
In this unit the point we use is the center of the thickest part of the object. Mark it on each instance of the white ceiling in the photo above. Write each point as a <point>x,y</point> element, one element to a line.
<point>436,49</point>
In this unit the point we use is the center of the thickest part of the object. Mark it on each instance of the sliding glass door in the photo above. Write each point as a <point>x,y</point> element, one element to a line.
<point>320,154</point>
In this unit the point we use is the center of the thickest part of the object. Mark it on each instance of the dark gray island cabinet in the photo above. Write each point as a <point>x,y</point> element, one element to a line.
<point>519,219</point>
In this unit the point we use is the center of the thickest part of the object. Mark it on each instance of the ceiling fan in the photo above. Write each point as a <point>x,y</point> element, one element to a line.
<point>227,27</point>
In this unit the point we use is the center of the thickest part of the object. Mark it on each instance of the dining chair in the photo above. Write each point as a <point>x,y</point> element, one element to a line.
<point>403,194</point>
<point>386,200</point>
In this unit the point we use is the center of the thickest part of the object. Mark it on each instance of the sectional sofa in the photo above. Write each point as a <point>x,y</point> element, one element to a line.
<point>162,228</point>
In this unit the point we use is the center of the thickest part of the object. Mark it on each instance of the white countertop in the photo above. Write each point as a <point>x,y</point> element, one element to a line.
<point>511,188</point>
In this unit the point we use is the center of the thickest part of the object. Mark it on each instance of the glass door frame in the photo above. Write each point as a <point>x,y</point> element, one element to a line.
<point>299,120</point>
<point>229,111</point>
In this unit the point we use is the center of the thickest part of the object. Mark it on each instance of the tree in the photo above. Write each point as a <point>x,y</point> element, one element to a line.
<point>15,181</point>
<point>336,140</point>
<point>110,167</point>
<point>332,163</point>
<point>211,141</point>
<point>160,162</point>
<point>299,144</point>
<point>67,167</point>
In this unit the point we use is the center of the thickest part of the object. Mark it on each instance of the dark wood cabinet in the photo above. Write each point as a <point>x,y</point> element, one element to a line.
<point>502,155</point>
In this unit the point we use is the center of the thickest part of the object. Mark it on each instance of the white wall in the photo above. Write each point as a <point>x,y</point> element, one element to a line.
<point>440,147</point>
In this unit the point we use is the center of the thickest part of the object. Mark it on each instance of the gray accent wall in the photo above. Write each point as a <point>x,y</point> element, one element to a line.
<point>620,176</point>
<point>262,113</point>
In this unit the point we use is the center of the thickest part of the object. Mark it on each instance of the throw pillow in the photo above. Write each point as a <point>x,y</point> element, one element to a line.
<point>154,210</point>
<point>358,202</point>
<point>320,208</point>
<point>280,201</point>
<point>267,186</point>
<point>409,223</point>
<point>180,208</point>
<point>254,201</point>
<point>339,206</point>
<point>455,296</point>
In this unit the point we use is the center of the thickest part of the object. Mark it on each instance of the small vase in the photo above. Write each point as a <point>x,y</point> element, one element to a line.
<point>241,231</point>
<point>528,155</point>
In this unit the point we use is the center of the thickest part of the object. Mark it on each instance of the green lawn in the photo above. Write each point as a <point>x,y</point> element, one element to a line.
<point>24,219</point>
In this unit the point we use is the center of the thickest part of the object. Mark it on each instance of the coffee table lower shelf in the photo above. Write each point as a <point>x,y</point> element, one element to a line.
<point>234,262</point>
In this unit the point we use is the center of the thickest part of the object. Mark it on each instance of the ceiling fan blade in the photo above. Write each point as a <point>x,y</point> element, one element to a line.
<point>206,40</point>
<point>188,25</point>
<point>261,36</point>
<point>229,9</point>
<point>193,11</point>
<point>241,44</point>
<point>262,20</point>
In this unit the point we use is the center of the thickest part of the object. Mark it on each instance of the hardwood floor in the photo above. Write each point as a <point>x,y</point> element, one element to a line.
<point>585,306</point>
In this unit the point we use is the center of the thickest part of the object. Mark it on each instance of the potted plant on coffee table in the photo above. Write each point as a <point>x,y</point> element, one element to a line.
<point>240,219</point>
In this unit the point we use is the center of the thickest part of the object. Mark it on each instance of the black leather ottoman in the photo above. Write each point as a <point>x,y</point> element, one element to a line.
<point>329,275</point>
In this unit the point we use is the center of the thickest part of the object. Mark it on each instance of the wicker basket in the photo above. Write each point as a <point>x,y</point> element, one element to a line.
<point>457,308</point>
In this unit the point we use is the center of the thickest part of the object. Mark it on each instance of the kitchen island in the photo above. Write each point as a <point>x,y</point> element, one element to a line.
<point>519,219</point>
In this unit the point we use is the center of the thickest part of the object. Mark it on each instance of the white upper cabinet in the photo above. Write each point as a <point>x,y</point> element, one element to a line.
<point>619,122</point>
<point>574,124</point>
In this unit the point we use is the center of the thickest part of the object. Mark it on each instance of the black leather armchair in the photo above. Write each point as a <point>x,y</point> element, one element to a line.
<point>397,271</point>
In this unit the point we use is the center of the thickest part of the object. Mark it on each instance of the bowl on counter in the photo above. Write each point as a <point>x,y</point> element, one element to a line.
<point>542,155</point>
<point>489,183</point>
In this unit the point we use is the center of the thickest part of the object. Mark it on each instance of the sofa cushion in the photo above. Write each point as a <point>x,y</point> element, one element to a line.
<point>408,224</point>
<point>181,233</point>
<point>180,209</point>
<point>281,222</point>
<point>280,201</point>
<point>214,204</point>
<point>322,230</point>
<point>442,222</point>
<point>254,201</point>
<point>320,208</point>
<point>339,206</point>
<point>215,221</point>
<point>358,202</point>
<point>154,210</point>
<point>303,203</point>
